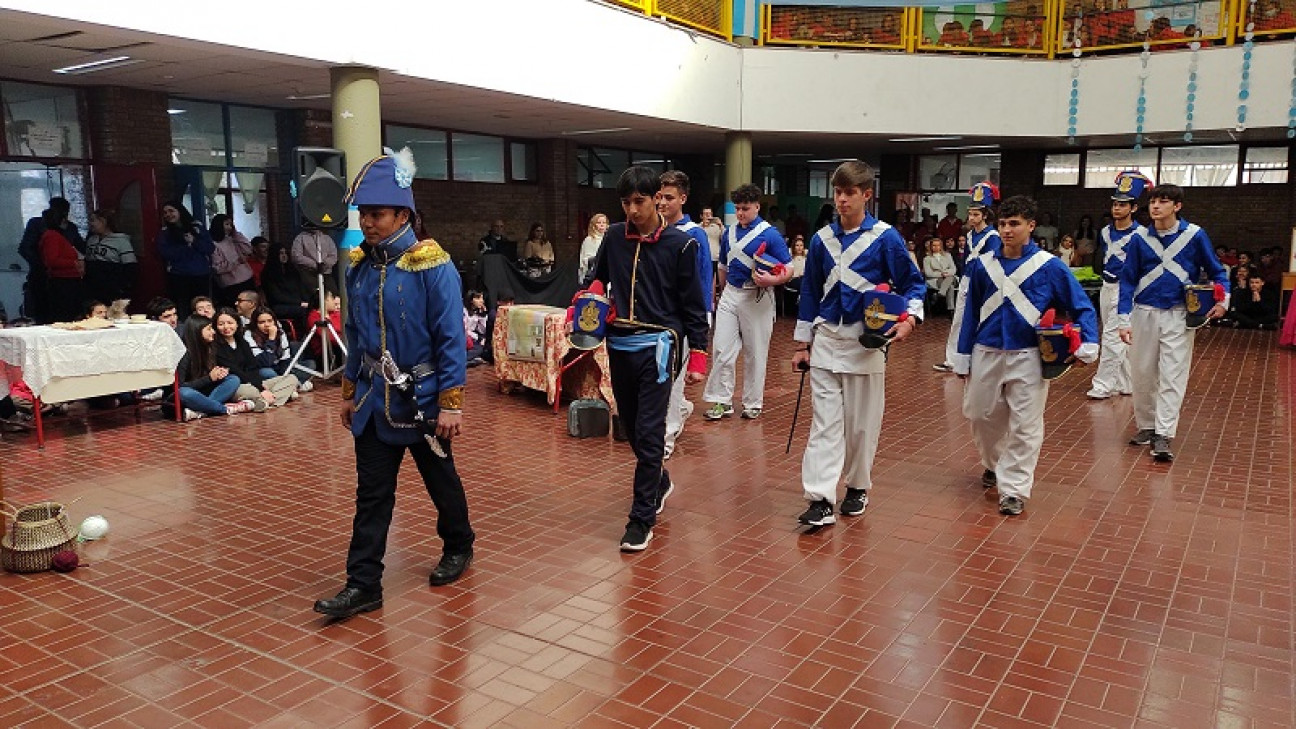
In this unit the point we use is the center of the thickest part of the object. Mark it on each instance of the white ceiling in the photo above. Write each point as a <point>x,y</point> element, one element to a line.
<point>32,46</point>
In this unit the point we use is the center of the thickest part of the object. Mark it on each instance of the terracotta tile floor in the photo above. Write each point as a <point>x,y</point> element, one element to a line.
<point>1130,595</point>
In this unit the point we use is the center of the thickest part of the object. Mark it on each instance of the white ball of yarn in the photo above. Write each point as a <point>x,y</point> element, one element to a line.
<point>94,527</point>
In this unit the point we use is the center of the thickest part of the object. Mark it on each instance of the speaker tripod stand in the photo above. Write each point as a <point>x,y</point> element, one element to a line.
<point>324,329</point>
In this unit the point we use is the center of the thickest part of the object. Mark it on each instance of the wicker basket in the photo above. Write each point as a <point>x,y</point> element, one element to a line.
<point>36,534</point>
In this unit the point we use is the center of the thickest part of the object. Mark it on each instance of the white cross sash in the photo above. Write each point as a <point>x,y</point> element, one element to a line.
<point>1008,286</point>
<point>737,252</point>
<point>1167,256</point>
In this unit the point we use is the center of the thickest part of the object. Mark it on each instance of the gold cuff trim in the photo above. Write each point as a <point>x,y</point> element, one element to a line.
<point>348,389</point>
<point>452,399</point>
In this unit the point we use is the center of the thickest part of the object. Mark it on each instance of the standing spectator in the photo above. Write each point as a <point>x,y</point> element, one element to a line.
<point>315,254</point>
<point>1086,242</point>
<point>950,226</point>
<point>792,289</point>
<point>64,267</point>
<point>37,296</point>
<point>598,225</point>
<point>230,251</point>
<point>714,229</point>
<point>1047,234</point>
<point>503,297</point>
<point>186,248</point>
<point>110,261</point>
<point>941,273</point>
<point>260,254</point>
<point>285,294</point>
<point>538,248</point>
<point>496,243</point>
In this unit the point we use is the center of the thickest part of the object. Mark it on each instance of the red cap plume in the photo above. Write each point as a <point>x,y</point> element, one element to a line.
<point>1046,321</point>
<point>1073,336</point>
<point>883,288</point>
<point>761,250</point>
<point>1219,292</point>
<point>596,287</point>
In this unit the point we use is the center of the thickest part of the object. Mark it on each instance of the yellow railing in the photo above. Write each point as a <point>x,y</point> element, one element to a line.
<point>1015,27</point>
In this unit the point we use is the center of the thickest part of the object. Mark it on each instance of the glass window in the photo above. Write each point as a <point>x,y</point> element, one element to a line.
<point>819,184</point>
<point>1102,165</point>
<point>429,148</point>
<point>1265,165</point>
<point>655,160</point>
<point>607,166</point>
<point>979,167</point>
<point>477,158</point>
<point>197,133</point>
<point>938,172</point>
<point>522,159</point>
<point>254,137</point>
<point>41,121</point>
<point>1062,169</point>
<point>1207,166</point>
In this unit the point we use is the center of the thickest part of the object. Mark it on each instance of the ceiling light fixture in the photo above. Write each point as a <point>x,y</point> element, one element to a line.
<point>830,161</point>
<point>609,130</point>
<point>176,111</point>
<point>966,146</point>
<point>308,97</point>
<point>103,64</point>
<point>926,139</point>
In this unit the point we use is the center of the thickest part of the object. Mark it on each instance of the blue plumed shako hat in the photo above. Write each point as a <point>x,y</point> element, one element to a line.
<point>385,181</point>
<point>984,195</point>
<point>1130,186</point>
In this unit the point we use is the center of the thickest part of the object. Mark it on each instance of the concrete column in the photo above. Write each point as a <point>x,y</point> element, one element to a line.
<point>738,160</point>
<point>357,115</point>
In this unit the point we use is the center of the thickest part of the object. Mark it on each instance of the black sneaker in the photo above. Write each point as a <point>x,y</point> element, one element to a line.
<point>989,479</point>
<point>1143,437</point>
<point>855,502</point>
<point>1161,449</point>
<point>661,500</point>
<point>636,538</point>
<point>1011,506</point>
<point>820,513</point>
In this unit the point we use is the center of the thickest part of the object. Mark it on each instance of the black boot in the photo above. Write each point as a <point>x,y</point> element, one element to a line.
<point>450,568</point>
<point>348,602</point>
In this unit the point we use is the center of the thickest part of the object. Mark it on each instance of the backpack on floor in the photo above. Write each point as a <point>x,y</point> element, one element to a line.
<point>588,419</point>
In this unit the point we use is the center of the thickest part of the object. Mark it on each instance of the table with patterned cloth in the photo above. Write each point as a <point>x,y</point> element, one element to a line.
<point>60,365</point>
<point>530,346</point>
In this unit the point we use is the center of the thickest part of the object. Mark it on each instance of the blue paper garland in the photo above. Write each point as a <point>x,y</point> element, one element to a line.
<point>1073,108</point>
<point>1141,107</point>
<point>1244,82</point>
<point>1190,100</point>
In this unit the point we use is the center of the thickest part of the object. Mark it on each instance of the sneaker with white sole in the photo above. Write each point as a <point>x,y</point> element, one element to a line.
<point>306,386</point>
<point>636,537</point>
<point>661,500</point>
<point>152,396</point>
<point>751,413</point>
<point>242,406</point>
<point>820,513</point>
<point>1096,394</point>
<point>855,502</point>
<point>989,479</point>
<point>1161,449</point>
<point>718,410</point>
<point>195,415</point>
<point>1011,506</point>
<point>1142,437</point>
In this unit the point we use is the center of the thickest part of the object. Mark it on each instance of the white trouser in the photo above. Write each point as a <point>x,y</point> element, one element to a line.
<point>675,411</point>
<point>1004,401</point>
<point>1160,355</point>
<point>744,323</point>
<point>951,341</point>
<point>1113,375</point>
<point>844,431</point>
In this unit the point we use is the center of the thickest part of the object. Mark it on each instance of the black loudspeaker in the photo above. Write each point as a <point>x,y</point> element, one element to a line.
<point>320,175</point>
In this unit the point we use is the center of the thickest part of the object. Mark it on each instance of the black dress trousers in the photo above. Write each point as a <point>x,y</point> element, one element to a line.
<point>641,405</point>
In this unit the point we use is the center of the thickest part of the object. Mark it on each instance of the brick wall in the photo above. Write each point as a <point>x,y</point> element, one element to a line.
<point>131,127</point>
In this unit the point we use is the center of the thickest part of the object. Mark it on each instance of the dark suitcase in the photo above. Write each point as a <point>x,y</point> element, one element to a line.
<point>588,419</point>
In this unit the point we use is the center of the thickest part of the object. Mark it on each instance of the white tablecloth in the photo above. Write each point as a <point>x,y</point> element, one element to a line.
<point>45,353</point>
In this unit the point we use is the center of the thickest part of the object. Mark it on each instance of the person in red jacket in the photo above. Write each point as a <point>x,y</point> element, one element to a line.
<point>65,268</point>
<point>333,303</point>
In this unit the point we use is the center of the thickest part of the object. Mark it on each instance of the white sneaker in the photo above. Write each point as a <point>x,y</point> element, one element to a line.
<point>293,396</point>
<point>1096,394</point>
<point>306,386</point>
<point>151,396</point>
<point>191,415</point>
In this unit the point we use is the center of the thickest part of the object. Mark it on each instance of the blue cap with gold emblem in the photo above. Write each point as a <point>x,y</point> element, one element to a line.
<point>385,181</point>
<point>984,195</point>
<point>883,310</point>
<point>1130,186</point>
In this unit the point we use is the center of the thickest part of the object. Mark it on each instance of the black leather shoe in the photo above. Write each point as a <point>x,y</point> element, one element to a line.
<point>348,602</point>
<point>450,568</point>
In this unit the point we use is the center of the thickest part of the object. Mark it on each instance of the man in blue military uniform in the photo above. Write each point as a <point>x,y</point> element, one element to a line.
<point>404,381</point>
<point>998,350</point>
<point>982,238</point>
<point>1113,376</point>
<point>1158,268</point>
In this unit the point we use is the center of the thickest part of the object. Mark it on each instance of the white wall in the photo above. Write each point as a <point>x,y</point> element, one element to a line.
<point>590,54</point>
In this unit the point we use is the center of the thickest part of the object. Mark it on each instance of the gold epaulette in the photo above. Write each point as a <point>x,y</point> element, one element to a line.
<point>357,255</point>
<point>423,256</point>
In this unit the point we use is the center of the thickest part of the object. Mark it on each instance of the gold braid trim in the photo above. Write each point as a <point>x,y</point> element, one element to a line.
<point>422,256</point>
<point>357,255</point>
<point>348,389</point>
<point>452,399</point>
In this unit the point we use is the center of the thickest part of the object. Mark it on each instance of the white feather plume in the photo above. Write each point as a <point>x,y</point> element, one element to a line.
<point>405,167</point>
